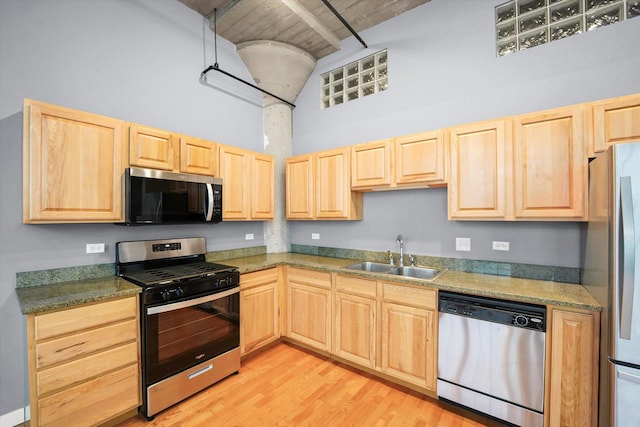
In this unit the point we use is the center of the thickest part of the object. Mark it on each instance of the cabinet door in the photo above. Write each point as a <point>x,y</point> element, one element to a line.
<point>235,167</point>
<point>480,170</point>
<point>550,165</point>
<point>409,343</point>
<point>309,308</point>
<point>300,189</point>
<point>371,165</point>
<point>574,370</point>
<point>153,148</point>
<point>263,182</point>
<point>355,335</point>
<point>420,159</point>
<point>73,165</point>
<point>615,120</point>
<point>198,156</point>
<point>259,310</point>
<point>334,199</point>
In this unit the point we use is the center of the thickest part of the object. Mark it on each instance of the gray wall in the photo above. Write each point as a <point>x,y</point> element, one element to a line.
<point>443,71</point>
<point>135,60</point>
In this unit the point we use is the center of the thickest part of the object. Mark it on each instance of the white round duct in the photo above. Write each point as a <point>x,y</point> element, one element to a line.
<point>279,68</point>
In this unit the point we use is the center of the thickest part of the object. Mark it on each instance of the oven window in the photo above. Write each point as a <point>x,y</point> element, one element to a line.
<point>181,338</point>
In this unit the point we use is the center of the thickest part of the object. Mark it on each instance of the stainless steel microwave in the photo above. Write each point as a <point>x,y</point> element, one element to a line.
<point>160,197</point>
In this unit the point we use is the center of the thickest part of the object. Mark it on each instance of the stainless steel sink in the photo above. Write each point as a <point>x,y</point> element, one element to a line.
<point>373,267</point>
<point>425,273</point>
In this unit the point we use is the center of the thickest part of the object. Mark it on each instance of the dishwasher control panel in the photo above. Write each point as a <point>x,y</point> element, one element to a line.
<point>522,315</point>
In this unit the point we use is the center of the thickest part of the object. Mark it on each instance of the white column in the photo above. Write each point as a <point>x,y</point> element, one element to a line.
<point>283,70</point>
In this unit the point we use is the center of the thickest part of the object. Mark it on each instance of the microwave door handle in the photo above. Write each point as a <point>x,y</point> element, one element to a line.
<point>209,203</point>
<point>628,241</point>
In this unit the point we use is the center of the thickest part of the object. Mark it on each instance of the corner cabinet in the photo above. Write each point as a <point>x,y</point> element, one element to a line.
<point>318,186</point>
<point>249,180</point>
<point>73,165</point>
<point>259,309</point>
<point>84,373</point>
<point>309,316</point>
<point>573,379</point>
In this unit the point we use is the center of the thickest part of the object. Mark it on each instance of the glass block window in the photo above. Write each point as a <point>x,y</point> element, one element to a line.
<point>521,24</point>
<point>360,78</point>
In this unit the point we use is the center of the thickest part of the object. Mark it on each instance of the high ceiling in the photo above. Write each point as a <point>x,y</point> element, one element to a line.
<point>307,24</point>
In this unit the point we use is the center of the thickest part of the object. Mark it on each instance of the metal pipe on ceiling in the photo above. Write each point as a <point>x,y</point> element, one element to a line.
<point>344,22</point>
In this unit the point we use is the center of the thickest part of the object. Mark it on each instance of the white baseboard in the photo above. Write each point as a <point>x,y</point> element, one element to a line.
<point>14,418</point>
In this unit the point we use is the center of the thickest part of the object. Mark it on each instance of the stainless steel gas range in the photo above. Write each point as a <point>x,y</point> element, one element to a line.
<point>190,318</point>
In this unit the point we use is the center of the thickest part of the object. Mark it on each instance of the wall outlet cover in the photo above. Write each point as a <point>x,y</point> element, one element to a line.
<point>463,244</point>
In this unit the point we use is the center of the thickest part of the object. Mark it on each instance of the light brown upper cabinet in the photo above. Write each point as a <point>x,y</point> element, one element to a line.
<point>411,161</point>
<point>198,156</point>
<point>480,177</point>
<point>615,121</point>
<point>153,148</point>
<point>248,184</point>
<point>300,188</point>
<point>73,165</point>
<point>550,166</point>
<point>318,186</point>
<point>420,159</point>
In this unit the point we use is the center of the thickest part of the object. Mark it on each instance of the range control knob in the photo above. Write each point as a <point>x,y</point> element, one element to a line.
<point>165,295</point>
<point>179,291</point>
<point>520,320</point>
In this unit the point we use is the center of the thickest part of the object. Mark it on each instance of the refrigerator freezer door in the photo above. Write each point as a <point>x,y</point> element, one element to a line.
<point>626,395</point>
<point>625,302</point>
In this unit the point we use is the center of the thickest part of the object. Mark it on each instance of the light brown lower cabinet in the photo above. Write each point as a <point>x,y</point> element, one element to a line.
<point>573,369</point>
<point>355,320</point>
<point>409,334</point>
<point>259,309</point>
<point>309,317</point>
<point>84,364</point>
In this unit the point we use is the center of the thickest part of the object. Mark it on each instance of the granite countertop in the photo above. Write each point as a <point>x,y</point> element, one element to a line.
<point>36,299</point>
<point>526,290</point>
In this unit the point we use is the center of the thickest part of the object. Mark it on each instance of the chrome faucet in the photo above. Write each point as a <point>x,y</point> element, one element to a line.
<point>401,260</point>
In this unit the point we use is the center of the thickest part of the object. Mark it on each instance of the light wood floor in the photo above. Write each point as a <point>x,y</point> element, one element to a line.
<point>287,386</point>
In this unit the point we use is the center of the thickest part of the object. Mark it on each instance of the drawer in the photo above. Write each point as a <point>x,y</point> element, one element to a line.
<point>79,370</point>
<point>249,280</point>
<point>93,402</point>
<point>84,343</point>
<point>356,285</point>
<point>85,317</point>
<point>424,298</point>
<point>310,277</point>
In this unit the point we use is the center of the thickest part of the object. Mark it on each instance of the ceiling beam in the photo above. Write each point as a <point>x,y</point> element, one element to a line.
<point>312,21</point>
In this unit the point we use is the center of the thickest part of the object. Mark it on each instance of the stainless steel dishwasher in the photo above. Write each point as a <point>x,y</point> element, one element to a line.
<point>491,357</point>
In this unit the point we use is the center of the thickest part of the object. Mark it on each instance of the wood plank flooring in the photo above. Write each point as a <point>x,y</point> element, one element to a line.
<point>288,386</point>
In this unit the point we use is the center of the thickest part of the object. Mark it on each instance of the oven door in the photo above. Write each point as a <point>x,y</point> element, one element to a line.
<point>182,334</point>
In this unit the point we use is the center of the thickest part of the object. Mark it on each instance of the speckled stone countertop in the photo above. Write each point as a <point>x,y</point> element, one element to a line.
<point>38,299</point>
<point>46,297</point>
<point>505,287</point>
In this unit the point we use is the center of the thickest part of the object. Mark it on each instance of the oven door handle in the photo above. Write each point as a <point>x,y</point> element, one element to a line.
<point>191,302</point>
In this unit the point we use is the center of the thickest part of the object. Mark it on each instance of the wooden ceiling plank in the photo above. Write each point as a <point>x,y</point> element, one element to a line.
<point>313,22</point>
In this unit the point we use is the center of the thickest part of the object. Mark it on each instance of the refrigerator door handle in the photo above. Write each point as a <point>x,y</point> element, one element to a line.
<point>628,258</point>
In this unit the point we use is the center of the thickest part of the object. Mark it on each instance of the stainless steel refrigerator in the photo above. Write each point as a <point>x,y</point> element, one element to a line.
<point>612,276</point>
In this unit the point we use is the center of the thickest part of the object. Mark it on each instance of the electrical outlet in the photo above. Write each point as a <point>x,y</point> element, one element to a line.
<point>500,246</point>
<point>463,244</point>
<point>248,236</point>
<point>95,248</point>
<point>315,236</point>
